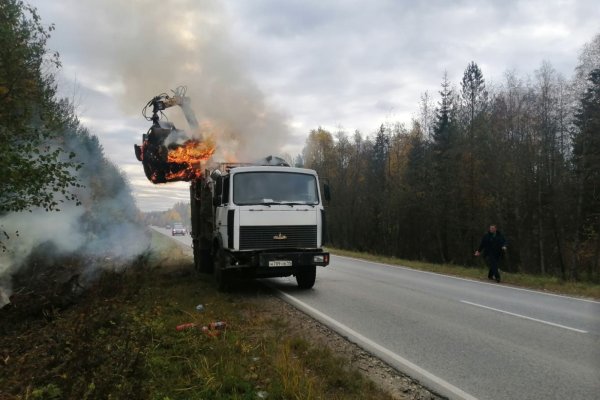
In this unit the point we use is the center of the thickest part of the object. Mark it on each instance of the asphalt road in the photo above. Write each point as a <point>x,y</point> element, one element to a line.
<point>462,338</point>
<point>465,338</point>
<point>186,239</point>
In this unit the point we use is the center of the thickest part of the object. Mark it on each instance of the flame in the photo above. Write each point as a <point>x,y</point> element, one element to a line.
<point>192,155</point>
<point>176,161</point>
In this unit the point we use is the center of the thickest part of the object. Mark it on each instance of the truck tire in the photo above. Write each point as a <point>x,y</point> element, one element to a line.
<point>221,275</point>
<point>206,261</point>
<point>306,277</point>
<point>197,257</point>
<point>203,261</point>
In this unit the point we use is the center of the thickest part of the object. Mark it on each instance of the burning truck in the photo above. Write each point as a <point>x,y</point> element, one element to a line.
<point>249,220</point>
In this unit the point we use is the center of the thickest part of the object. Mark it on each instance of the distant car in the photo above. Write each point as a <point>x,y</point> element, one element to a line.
<point>178,229</point>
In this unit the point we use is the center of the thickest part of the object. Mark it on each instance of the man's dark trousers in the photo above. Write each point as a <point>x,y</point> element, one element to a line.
<point>492,263</point>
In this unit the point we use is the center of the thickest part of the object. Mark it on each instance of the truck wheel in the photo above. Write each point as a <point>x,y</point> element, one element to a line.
<point>306,277</point>
<point>206,261</point>
<point>197,257</point>
<point>221,276</point>
<point>203,261</point>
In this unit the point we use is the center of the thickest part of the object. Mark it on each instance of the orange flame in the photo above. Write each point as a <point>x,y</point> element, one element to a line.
<point>193,153</point>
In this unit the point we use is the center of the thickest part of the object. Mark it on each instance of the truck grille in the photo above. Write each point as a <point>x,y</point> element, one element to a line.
<point>262,237</point>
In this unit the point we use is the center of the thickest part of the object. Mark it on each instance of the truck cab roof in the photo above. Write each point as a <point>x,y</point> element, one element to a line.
<point>259,168</point>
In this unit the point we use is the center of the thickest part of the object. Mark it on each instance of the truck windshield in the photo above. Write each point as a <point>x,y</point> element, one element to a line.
<point>274,188</point>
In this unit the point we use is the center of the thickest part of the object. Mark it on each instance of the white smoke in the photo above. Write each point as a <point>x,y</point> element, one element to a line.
<point>104,226</point>
<point>34,229</point>
<point>37,227</point>
<point>150,48</point>
<point>65,233</point>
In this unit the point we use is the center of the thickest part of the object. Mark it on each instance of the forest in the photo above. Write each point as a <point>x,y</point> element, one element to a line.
<point>180,212</point>
<point>64,206</point>
<point>523,154</point>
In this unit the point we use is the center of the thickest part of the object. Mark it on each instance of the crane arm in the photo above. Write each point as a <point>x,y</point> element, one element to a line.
<point>164,101</point>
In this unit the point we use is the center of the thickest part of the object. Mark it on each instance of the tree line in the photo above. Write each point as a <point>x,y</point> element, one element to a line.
<point>180,212</point>
<point>524,155</point>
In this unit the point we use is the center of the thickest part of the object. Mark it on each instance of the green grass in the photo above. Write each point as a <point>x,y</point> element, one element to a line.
<point>120,341</point>
<point>535,282</point>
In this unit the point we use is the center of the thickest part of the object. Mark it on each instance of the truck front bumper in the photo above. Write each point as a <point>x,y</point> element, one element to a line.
<point>276,264</point>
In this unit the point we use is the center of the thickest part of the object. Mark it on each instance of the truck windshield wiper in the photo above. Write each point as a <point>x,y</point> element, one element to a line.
<point>294,203</point>
<point>279,203</point>
<point>257,204</point>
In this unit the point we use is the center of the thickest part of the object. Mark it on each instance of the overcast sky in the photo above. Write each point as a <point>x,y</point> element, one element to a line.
<point>264,73</point>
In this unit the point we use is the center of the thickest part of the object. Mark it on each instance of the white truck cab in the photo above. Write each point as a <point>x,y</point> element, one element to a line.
<point>268,221</point>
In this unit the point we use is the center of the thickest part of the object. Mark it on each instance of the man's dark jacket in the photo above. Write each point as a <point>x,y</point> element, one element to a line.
<point>491,245</point>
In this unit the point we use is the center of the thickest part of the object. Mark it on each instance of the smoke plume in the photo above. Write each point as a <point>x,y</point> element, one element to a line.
<point>150,48</point>
<point>103,231</point>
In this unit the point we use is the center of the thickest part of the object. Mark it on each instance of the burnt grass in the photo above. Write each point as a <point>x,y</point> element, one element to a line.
<point>55,344</point>
<point>114,337</point>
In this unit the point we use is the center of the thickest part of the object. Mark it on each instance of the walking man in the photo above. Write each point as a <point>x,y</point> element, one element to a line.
<point>492,247</point>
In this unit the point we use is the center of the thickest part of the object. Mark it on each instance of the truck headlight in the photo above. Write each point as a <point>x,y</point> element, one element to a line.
<point>319,258</point>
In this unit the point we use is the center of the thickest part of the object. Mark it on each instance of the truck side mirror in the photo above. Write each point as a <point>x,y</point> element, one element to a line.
<point>326,192</point>
<point>217,200</point>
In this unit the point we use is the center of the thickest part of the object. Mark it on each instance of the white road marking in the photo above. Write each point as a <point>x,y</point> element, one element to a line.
<point>525,317</point>
<point>467,279</point>
<point>426,377</point>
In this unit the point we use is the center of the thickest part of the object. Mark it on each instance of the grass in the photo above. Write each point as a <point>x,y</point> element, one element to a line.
<point>120,341</point>
<point>535,282</point>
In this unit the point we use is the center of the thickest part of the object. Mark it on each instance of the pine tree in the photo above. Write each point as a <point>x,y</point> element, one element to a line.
<point>586,158</point>
<point>443,126</point>
<point>474,97</point>
<point>444,162</point>
<point>473,93</point>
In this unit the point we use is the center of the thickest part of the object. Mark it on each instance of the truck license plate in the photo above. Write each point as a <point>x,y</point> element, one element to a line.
<point>280,263</point>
